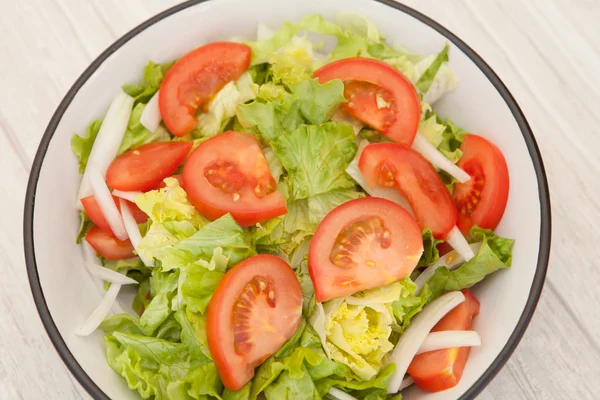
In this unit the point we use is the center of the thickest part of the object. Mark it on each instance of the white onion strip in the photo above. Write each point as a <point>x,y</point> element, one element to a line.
<point>130,196</point>
<point>449,339</point>
<point>407,382</point>
<point>132,230</point>
<point>109,275</point>
<point>96,318</point>
<point>450,260</point>
<point>108,140</point>
<point>340,394</point>
<point>106,202</point>
<point>415,334</point>
<point>150,117</point>
<point>434,156</point>
<point>458,242</point>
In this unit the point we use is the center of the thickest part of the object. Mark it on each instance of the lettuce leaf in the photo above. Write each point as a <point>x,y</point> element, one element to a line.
<point>153,76</point>
<point>163,288</point>
<point>494,254</point>
<point>317,101</point>
<point>430,252</point>
<point>82,145</point>
<point>435,77</point>
<point>137,135</point>
<point>85,224</point>
<point>316,157</point>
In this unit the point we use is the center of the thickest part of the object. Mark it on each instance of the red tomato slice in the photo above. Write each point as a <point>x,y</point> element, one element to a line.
<point>482,200</point>
<point>195,78</point>
<point>395,165</point>
<point>229,174</point>
<point>142,169</point>
<point>399,120</point>
<point>107,245</point>
<point>439,370</point>
<point>254,310</point>
<point>363,244</point>
<point>92,209</point>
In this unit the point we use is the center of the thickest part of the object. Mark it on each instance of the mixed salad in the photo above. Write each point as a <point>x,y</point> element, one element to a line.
<point>297,220</point>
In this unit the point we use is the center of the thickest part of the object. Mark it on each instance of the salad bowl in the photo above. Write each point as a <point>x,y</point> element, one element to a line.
<point>64,292</point>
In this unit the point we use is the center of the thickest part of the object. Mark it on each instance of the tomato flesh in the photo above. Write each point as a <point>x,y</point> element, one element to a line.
<point>439,370</point>
<point>142,169</point>
<point>365,80</point>
<point>92,209</point>
<point>254,310</point>
<point>195,78</point>
<point>395,165</point>
<point>363,244</point>
<point>230,174</point>
<point>482,200</point>
<point>107,245</point>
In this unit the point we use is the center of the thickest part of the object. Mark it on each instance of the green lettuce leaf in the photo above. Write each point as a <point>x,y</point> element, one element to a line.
<point>163,286</point>
<point>320,205</point>
<point>318,102</point>
<point>262,49</point>
<point>153,76</point>
<point>407,305</point>
<point>316,158</point>
<point>221,242</point>
<point>137,135</point>
<point>85,225</point>
<point>430,252</point>
<point>493,255</point>
<point>160,369</point>
<point>82,145</point>
<point>435,77</point>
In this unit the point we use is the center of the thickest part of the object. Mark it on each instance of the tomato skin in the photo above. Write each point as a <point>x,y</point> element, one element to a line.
<point>487,191</point>
<point>416,179</point>
<point>391,263</point>
<point>280,322</point>
<point>92,209</point>
<point>108,246</point>
<point>195,78</point>
<point>250,168</point>
<point>142,169</point>
<point>439,370</point>
<point>400,120</point>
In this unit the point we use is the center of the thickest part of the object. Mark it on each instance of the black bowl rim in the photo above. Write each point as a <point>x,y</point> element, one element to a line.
<point>544,197</point>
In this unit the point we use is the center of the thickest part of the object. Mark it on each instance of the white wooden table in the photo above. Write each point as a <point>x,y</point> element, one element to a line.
<point>546,51</point>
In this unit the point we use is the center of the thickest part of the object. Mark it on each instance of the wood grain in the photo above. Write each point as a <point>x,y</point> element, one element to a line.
<point>546,52</point>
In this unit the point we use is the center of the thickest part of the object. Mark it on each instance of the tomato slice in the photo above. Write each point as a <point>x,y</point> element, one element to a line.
<point>195,78</point>
<point>92,209</point>
<point>366,79</point>
<point>363,244</point>
<point>142,169</point>
<point>254,310</point>
<point>439,370</point>
<point>482,200</point>
<point>396,165</point>
<point>229,174</point>
<point>107,245</point>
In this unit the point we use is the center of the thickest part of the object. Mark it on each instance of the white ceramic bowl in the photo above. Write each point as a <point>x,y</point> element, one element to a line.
<point>65,293</point>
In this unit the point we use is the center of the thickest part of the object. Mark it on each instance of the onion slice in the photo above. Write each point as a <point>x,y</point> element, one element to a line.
<point>132,230</point>
<point>109,275</point>
<point>434,156</point>
<point>407,382</point>
<point>96,318</point>
<point>389,194</point>
<point>130,196</point>
<point>150,117</point>
<point>449,339</point>
<point>340,394</point>
<point>106,202</point>
<point>415,334</point>
<point>106,145</point>
<point>450,260</point>
<point>458,242</point>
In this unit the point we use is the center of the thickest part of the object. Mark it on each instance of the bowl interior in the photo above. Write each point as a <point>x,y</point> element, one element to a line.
<point>71,294</point>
